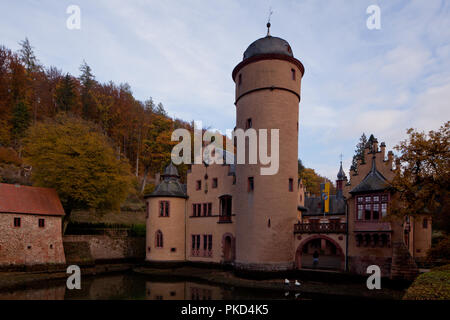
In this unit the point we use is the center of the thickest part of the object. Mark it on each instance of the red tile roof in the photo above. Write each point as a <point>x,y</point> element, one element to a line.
<point>31,200</point>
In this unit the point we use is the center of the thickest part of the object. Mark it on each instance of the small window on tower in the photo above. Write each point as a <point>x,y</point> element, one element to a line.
<point>199,185</point>
<point>291,185</point>
<point>240,79</point>
<point>214,183</point>
<point>293,74</point>
<point>16,222</point>
<point>251,184</point>
<point>248,123</point>
<point>41,223</point>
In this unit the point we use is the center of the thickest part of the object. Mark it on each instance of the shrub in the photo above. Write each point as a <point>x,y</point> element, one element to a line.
<point>440,252</point>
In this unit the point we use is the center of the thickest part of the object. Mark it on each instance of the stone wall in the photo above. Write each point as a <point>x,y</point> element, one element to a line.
<point>30,244</point>
<point>403,264</point>
<point>359,264</point>
<point>86,249</point>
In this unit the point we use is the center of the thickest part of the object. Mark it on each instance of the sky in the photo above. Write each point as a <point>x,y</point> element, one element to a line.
<point>182,53</point>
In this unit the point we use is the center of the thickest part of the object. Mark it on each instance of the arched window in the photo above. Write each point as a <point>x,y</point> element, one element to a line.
<point>159,239</point>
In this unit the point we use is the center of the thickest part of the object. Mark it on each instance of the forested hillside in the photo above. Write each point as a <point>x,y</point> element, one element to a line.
<point>31,93</point>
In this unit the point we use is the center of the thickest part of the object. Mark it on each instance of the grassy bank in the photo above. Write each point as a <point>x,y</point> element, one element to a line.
<point>433,285</point>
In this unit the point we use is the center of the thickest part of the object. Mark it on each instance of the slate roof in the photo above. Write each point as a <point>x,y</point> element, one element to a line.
<point>374,181</point>
<point>170,186</point>
<point>15,198</point>
<point>268,45</point>
<point>341,174</point>
<point>315,206</point>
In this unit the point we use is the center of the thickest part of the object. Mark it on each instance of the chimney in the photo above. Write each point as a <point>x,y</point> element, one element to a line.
<point>375,146</point>
<point>383,150</point>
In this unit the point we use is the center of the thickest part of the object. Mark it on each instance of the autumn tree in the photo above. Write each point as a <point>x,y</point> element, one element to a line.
<point>422,180</point>
<point>312,180</point>
<point>157,146</point>
<point>70,155</point>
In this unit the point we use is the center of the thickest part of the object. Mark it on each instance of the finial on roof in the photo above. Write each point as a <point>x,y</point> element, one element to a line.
<point>341,174</point>
<point>268,22</point>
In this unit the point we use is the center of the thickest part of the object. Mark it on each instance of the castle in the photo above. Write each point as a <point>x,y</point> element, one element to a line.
<point>233,215</point>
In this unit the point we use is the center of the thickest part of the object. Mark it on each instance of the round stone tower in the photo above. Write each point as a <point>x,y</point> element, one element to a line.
<point>267,97</point>
<point>166,221</point>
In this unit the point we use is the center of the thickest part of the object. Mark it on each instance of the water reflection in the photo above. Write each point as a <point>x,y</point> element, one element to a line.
<point>138,287</point>
<point>133,286</point>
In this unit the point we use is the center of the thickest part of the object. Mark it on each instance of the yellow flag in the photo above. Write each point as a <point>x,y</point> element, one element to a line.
<point>327,197</point>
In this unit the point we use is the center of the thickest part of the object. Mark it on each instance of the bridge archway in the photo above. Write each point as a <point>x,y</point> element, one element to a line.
<point>330,254</point>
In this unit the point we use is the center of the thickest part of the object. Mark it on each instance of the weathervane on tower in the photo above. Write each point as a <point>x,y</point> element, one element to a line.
<point>268,22</point>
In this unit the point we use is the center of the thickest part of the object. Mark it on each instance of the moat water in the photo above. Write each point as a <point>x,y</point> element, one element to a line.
<point>131,286</point>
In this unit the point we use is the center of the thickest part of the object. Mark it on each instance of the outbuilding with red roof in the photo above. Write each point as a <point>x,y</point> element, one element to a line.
<point>30,226</point>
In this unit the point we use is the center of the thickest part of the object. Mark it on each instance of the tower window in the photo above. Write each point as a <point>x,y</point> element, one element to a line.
<point>199,185</point>
<point>17,222</point>
<point>251,184</point>
<point>240,79</point>
<point>41,223</point>
<point>159,239</point>
<point>164,208</point>
<point>214,183</point>
<point>293,74</point>
<point>248,123</point>
<point>291,185</point>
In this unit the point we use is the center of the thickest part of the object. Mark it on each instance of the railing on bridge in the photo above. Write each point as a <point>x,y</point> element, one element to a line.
<point>327,227</point>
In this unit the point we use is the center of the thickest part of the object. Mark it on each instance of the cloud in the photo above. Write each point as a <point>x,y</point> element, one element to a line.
<point>182,53</point>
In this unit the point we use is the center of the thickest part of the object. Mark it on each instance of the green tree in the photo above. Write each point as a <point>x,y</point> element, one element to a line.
<point>27,56</point>
<point>71,156</point>
<point>65,94</point>
<point>359,151</point>
<point>160,110</point>
<point>301,167</point>
<point>20,121</point>
<point>87,84</point>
